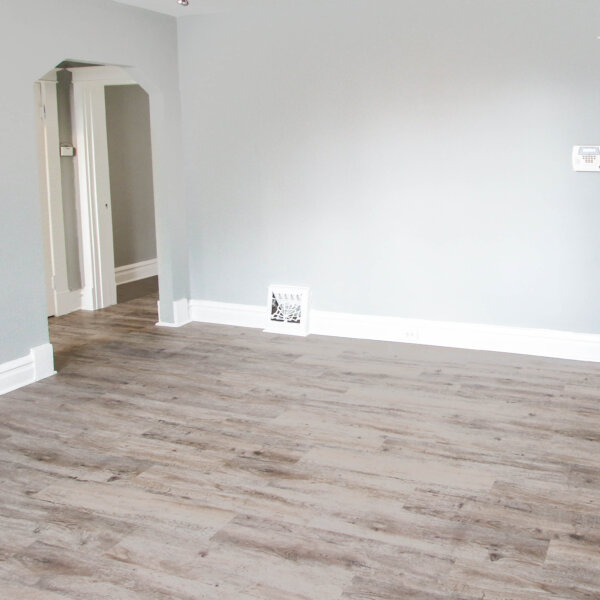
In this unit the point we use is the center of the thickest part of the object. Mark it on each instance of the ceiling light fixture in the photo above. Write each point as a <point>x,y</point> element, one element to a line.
<point>183,2</point>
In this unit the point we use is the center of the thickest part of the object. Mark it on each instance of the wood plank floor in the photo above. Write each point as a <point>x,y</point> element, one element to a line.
<point>210,462</point>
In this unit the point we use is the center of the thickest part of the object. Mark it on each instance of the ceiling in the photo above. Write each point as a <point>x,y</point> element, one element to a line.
<point>196,7</point>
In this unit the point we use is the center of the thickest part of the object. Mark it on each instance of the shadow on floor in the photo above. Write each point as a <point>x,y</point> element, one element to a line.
<point>137,289</point>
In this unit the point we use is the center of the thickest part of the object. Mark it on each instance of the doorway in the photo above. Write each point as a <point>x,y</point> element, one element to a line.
<point>96,187</point>
<point>131,189</point>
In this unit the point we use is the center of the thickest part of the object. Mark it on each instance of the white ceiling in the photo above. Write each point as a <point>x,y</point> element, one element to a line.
<point>196,7</point>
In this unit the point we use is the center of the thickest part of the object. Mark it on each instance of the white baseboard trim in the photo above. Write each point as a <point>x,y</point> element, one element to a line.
<point>513,340</point>
<point>181,314</point>
<point>221,313</point>
<point>38,364</point>
<point>87,298</point>
<point>137,271</point>
<point>68,302</point>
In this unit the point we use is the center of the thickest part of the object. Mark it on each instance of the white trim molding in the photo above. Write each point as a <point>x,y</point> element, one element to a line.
<point>68,302</point>
<point>221,313</point>
<point>136,271</point>
<point>181,314</point>
<point>95,211</point>
<point>51,195</point>
<point>38,364</point>
<point>513,340</point>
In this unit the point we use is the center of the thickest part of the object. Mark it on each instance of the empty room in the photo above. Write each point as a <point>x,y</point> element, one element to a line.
<point>300,300</point>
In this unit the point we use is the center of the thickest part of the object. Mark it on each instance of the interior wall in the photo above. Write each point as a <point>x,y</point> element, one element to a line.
<point>130,163</point>
<point>401,158</point>
<point>46,32</point>
<point>67,176</point>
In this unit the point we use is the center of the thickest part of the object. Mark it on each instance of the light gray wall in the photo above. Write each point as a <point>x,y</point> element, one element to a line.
<point>67,175</point>
<point>130,162</point>
<point>35,36</point>
<point>402,158</point>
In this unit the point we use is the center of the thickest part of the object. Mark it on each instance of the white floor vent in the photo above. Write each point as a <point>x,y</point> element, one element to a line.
<point>288,310</point>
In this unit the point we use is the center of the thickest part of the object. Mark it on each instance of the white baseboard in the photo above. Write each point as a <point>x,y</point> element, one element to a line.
<point>68,302</point>
<point>221,313</point>
<point>137,271</point>
<point>38,364</point>
<point>181,314</point>
<point>87,298</point>
<point>514,340</point>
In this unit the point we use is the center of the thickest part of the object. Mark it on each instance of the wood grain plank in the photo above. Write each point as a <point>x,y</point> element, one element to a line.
<point>220,463</point>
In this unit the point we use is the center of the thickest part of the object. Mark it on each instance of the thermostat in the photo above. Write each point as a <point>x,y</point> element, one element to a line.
<point>586,158</point>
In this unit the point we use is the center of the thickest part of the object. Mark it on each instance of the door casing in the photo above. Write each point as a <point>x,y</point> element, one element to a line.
<point>93,190</point>
<point>98,263</point>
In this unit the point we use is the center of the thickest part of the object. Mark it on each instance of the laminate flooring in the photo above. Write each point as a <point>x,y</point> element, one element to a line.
<point>212,462</point>
<point>137,289</point>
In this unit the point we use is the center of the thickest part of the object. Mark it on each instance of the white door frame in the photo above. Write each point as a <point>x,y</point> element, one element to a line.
<point>60,300</point>
<point>91,141</point>
<point>93,179</point>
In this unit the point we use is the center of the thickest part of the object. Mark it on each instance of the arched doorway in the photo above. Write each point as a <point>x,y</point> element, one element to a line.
<point>96,185</point>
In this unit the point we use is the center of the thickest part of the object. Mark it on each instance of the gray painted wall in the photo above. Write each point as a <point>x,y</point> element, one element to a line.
<point>130,163</point>
<point>45,32</point>
<point>401,158</point>
<point>67,175</point>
